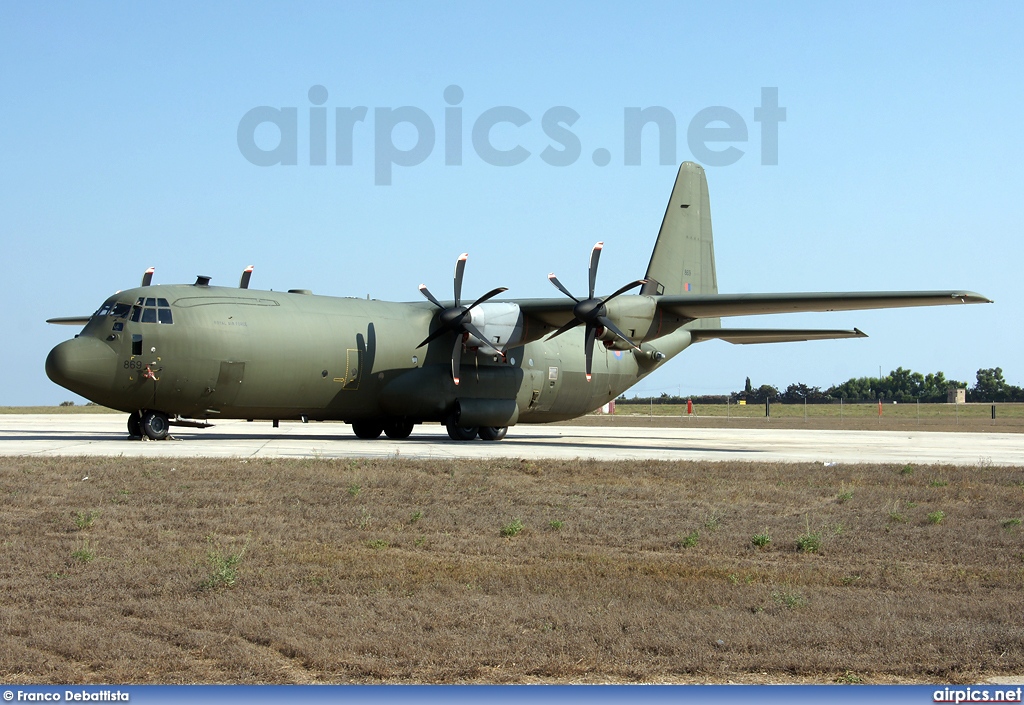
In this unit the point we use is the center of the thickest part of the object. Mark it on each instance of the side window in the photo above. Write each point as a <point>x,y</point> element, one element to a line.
<point>136,314</point>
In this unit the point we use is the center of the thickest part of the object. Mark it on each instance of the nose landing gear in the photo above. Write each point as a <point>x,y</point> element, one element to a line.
<point>154,425</point>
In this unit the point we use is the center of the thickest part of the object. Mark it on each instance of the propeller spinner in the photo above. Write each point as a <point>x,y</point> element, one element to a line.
<point>458,319</point>
<point>592,311</point>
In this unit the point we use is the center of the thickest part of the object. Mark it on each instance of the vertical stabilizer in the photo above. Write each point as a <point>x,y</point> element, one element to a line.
<point>683,261</point>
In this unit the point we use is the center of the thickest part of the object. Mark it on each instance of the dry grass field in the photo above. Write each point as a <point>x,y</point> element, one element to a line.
<point>309,571</point>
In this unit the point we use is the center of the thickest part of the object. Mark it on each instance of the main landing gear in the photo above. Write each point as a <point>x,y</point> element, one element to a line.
<point>154,425</point>
<point>400,430</point>
<point>468,433</point>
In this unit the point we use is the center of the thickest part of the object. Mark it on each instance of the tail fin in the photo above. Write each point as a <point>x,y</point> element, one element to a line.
<point>683,261</point>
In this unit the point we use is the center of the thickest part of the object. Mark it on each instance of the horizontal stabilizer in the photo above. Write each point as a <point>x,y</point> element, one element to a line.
<point>70,320</point>
<point>714,305</point>
<point>748,336</point>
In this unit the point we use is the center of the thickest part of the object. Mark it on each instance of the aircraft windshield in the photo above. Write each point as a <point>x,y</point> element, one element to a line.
<point>117,310</point>
<point>151,310</point>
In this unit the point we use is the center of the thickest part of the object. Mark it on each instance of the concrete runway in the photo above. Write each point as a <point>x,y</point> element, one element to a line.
<point>106,435</point>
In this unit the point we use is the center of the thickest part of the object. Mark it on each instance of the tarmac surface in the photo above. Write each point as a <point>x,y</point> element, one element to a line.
<point>106,435</point>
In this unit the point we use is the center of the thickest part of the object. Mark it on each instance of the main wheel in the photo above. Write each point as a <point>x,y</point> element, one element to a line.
<point>135,425</point>
<point>155,425</point>
<point>398,430</point>
<point>493,433</point>
<point>461,433</point>
<point>367,430</point>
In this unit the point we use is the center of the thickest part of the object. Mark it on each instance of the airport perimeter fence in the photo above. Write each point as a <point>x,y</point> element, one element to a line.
<point>1001,416</point>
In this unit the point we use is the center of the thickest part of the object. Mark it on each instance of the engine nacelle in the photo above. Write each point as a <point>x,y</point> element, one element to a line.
<point>633,316</point>
<point>501,324</point>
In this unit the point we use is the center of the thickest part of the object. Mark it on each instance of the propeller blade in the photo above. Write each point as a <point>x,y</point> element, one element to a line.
<point>604,321</point>
<point>460,269</point>
<point>430,297</point>
<point>558,285</point>
<point>456,358</point>
<point>623,290</point>
<point>433,336</point>
<point>475,332</point>
<point>567,327</point>
<point>489,295</point>
<point>591,335</point>
<point>595,256</point>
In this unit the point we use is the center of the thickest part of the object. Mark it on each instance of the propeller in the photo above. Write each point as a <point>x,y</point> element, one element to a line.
<point>457,319</point>
<point>592,311</point>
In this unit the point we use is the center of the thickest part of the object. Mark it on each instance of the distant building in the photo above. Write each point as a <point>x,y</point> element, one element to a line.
<point>956,395</point>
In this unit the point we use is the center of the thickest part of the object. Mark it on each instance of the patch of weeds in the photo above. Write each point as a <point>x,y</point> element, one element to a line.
<point>556,524</point>
<point>512,528</point>
<point>733,579</point>
<point>936,517</point>
<point>895,516</point>
<point>85,519</point>
<point>844,497</point>
<point>938,483</point>
<point>365,519</point>
<point>789,600</point>
<point>420,540</point>
<point>84,553</point>
<point>379,544</point>
<point>910,505</point>
<point>223,567</point>
<point>849,677</point>
<point>762,539</point>
<point>416,516</point>
<point>849,579</point>
<point>838,529</point>
<point>354,490</point>
<point>809,542</point>
<point>688,541</point>
<point>907,469</point>
<point>1011,524</point>
<point>713,522</point>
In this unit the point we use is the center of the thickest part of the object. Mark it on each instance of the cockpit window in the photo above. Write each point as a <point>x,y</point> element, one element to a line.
<point>120,310</point>
<point>136,313</point>
<point>149,315</point>
<point>164,315</point>
<point>103,311</point>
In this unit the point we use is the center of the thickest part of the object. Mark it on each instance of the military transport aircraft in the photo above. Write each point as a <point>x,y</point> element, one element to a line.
<point>185,354</point>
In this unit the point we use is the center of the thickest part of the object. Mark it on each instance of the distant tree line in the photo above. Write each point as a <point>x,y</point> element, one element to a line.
<point>900,385</point>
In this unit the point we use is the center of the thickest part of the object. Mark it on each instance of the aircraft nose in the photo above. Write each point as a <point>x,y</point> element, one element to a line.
<point>82,365</point>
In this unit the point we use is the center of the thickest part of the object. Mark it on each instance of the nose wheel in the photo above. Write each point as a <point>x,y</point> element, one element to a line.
<point>154,425</point>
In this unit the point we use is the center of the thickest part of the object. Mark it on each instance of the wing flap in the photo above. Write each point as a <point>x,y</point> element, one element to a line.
<point>711,306</point>
<point>749,336</point>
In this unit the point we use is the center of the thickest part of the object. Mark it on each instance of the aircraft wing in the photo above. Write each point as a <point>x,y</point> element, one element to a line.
<point>720,305</point>
<point>748,336</point>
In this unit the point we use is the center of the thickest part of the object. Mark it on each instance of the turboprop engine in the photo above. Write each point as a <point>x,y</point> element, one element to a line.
<point>633,316</point>
<point>500,323</point>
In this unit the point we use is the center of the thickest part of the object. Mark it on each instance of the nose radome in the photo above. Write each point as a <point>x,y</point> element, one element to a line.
<point>82,365</point>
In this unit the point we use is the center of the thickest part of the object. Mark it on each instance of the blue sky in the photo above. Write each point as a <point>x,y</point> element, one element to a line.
<point>899,163</point>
